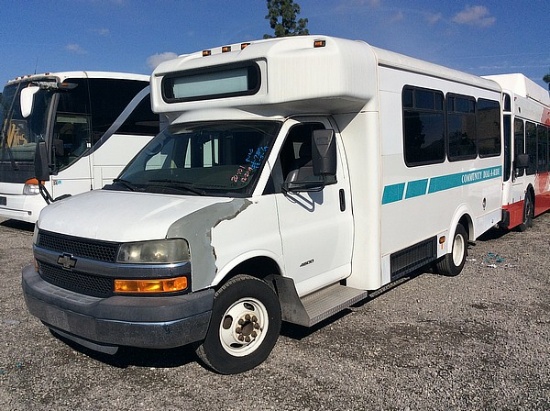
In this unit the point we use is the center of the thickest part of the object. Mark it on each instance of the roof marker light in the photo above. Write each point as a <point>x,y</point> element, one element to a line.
<point>226,49</point>
<point>319,43</point>
<point>244,45</point>
<point>206,53</point>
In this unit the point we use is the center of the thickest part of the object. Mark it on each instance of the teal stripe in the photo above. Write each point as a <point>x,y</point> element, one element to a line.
<point>393,193</point>
<point>416,188</point>
<point>462,179</point>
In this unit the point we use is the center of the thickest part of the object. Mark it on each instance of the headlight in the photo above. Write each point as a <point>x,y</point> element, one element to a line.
<point>31,187</point>
<point>174,250</point>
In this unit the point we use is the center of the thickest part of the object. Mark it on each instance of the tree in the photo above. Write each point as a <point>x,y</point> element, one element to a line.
<point>282,19</point>
<point>546,79</point>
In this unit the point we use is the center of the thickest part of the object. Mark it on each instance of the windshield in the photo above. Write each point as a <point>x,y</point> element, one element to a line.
<point>214,158</point>
<point>20,135</point>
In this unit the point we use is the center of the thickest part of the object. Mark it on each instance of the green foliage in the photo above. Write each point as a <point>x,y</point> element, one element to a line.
<point>282,19</point>
<point>546,79</point>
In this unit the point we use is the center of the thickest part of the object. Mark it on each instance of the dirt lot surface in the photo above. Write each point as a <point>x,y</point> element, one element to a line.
<point>479,341</point>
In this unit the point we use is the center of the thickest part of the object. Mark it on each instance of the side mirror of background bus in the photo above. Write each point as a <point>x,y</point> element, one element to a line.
<point>522,161</point>
<point>27,100</point>
<point>324,153</point>
<point>41,163</point>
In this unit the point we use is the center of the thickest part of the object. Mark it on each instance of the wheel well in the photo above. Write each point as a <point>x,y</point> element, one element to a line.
<point>531,192</point>
<point>466,222</point>
<point>259,267</point>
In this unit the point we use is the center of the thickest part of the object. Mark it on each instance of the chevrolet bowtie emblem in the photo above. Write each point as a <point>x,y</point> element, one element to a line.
<point>66,261</point>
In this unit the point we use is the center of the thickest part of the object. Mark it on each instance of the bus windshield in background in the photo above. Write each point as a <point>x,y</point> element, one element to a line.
<point>227,81</point>
<point>19,134</point>
<point>214,158</point>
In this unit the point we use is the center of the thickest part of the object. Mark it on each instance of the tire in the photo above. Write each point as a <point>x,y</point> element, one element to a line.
<point>245,325</point>
<point>452,263</point>
<point>528,213</point>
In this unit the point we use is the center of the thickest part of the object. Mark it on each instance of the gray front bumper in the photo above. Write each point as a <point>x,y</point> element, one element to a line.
<point>145,322</point>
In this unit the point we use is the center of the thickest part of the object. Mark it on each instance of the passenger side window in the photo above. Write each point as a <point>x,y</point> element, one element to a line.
<point>461,127</point>
<point>519,139</point>
<point>542,149</point>
<point>488,127</point>
<point>423,126</point>
<point>531,142</point>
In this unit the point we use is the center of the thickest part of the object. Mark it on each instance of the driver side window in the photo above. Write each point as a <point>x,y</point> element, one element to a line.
<point>295,154</point>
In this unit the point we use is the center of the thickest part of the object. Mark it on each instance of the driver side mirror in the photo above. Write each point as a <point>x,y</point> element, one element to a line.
<point>26,100</point>
<point>324,153</point>
<point>41,163</point>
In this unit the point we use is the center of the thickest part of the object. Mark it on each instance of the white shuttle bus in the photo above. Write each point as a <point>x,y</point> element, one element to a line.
<point>92,124</point>
<point>526,173</point>
<point>296,175</point>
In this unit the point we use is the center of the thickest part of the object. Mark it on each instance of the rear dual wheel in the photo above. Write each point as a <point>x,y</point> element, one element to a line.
<point>245,325</point>
<point>452,263</point>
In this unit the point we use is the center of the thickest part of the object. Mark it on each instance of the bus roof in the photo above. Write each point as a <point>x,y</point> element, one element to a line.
<point>62,75</point>
<point>403,62</point>
<point>518,84</point>
<point>312,73</point>
<point>298,74</point>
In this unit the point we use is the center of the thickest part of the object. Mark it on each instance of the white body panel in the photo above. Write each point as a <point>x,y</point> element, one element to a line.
<point>133,212</point>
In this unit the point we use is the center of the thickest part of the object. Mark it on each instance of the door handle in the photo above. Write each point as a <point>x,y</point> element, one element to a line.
<point>342,195</point>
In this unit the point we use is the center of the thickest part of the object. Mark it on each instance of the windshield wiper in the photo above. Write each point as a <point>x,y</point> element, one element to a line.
<point>180,185</point>
<point>127,184</point>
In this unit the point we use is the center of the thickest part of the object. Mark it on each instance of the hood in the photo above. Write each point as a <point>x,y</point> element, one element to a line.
<point>120,216</point>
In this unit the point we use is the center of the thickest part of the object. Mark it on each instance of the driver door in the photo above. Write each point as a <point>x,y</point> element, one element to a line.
<point>316,227</point>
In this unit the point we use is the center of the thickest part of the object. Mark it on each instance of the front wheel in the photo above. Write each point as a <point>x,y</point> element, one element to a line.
<point>452,263</point>
<point>245,325</point>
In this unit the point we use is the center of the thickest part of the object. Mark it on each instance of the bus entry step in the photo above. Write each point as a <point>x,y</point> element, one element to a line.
<point>328,301</point>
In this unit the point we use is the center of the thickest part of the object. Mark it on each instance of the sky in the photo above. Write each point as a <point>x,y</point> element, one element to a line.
<point>476,36</point>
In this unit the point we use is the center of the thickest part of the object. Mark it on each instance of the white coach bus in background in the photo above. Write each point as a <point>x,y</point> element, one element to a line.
<point>92,123</point>
<point>526,174</point>
<point>296,175</point>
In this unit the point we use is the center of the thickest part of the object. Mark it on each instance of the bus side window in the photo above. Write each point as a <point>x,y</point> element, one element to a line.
<point>542,149</point>
<point>461,127</point>
<point>423,126</point>
<point>488,127</point>
<point>519,144</point>
<point>531,143</point>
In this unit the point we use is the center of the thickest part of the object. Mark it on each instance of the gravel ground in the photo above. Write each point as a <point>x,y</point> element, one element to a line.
<point>479,341</point>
